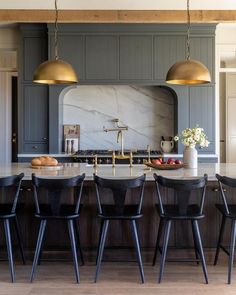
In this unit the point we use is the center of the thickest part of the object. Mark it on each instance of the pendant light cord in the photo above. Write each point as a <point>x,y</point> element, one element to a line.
<point>56,32</point>
<point>188,33</point>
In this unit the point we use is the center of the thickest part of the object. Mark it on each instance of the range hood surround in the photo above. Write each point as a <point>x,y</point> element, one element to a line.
<point>148,111</point>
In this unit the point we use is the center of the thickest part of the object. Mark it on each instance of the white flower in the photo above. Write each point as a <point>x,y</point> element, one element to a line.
<point>176,138</point>
<point>191,137</point>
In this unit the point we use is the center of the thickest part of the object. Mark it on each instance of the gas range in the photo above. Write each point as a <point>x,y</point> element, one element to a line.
<point>105,156</point>
<point>91,153</point>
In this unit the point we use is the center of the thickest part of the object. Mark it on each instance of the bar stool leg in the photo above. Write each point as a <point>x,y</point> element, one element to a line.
<point>158,241</point>
<point>231,254</point>
<point>200,249</point>
<point>73,248</point>
<point>195,242</point>
<point>19,238</point>
<point>43,224</point>
<point>99,239</point>
<point>101,247</point>
<point>137,246</point>
<point>222,228</point>
<point>78,240</point>
<point>164,249</point>
<point>9,248</point>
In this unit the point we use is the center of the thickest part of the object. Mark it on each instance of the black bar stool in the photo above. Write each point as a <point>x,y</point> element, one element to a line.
<point>228,211</point>
<point>118,210</point>
<point>8,213</point>
<point>182,210</point>
<point>52,189</point>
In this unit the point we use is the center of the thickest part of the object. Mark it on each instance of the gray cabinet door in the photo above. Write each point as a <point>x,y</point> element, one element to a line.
<point>167,51</point>
<point>202,112</point>
<point>203,49</point>
<point>35,108</point>
<point>34,53</point>
<point>136,57</point>
<point>101,57</point>
<point>71,50</point>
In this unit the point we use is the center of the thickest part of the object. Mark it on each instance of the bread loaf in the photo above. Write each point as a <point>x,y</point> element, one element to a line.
<point>44,161</point>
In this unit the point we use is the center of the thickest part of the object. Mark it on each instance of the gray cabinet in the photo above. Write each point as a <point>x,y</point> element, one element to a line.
<point>203,49</point>
<point>167,51</point>
<point>202,112</point>
<point>34,49</point>
<point>135,57</point>
<point>101,57</point>
<point>33,98</point>
<point>35,105</point>
<point>73,54</point>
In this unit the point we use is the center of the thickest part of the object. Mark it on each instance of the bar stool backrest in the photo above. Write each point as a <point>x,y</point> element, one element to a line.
<point>183,189</point>
<point>10,189</point>
<point>119,188</point>
<point>50,191</point>
<point>228,182</point>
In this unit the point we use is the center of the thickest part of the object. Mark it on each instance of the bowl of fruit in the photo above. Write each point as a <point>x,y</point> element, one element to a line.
<point>170,164</point>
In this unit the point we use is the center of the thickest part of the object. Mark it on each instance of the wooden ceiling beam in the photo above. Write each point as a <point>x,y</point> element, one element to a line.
<point>117,16</point>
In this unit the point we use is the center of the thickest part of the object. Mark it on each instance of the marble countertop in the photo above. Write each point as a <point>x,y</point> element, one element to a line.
<point>120,171</point>
<point>64,155</point>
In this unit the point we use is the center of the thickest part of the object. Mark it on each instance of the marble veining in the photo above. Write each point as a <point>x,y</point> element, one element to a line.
<point>148,111</point>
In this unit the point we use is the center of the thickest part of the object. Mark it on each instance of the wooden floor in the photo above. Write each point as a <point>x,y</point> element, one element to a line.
<point>116,278</point>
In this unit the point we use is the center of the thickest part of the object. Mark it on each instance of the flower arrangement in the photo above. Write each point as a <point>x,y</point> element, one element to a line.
<point>192,136</point>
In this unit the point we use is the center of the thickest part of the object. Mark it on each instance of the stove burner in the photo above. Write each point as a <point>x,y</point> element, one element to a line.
<point>109,152</point>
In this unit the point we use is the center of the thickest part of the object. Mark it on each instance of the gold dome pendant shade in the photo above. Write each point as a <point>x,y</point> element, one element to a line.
<point>55,71</point>
<point>189,71</point>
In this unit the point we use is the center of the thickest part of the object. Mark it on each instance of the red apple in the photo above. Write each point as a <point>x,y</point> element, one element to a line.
<point>178,161</point>
<point>156,161</point>
<point>170,160</point>
<point>171,163</point>
<point>160,159</point>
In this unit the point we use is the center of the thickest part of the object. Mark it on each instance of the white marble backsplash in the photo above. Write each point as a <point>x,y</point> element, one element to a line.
<point>148,111</point>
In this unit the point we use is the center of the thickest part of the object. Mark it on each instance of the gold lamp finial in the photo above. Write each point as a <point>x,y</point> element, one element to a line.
<point>55,71</point>
<point>189,71</point>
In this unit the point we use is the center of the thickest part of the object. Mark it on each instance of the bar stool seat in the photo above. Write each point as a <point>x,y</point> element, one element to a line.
<point>64,213</point>
<point>232,210</point>
<point>172,211</point>
<point>128,212</point>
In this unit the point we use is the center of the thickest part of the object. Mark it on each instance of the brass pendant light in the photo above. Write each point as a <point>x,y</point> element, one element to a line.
<point>55,71</point>
<point>188,71</point>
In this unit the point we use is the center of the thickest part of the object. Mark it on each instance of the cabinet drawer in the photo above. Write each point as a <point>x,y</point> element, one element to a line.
<point>35,148</point>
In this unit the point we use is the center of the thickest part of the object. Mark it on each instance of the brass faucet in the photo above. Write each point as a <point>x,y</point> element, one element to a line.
<point>95,163</point>
<point>120,137</point>
<point>149,153</point>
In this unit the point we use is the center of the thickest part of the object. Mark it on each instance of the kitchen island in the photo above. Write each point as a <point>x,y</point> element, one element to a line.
<point>120,171</point>
<point>89,223</point>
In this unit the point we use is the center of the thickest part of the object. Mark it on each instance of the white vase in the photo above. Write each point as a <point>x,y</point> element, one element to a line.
<point>190,157</point>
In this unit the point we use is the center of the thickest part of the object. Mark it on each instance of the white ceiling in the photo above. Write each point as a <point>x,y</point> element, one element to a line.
<point>120,4</point>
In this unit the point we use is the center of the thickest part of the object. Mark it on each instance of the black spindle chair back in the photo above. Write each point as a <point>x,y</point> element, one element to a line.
<point>224,182</point>
<point>183,190</point>
<point>10,189</point>
<point>119,188</point>
<point>52,189</point>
